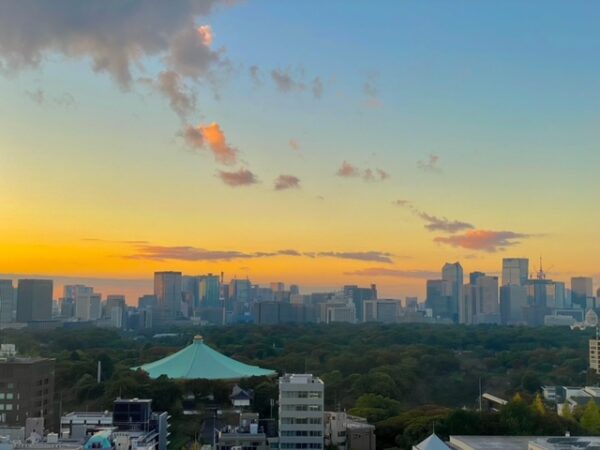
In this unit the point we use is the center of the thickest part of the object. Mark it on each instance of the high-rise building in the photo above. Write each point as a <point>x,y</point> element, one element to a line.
<point>148,302</point>
<point>167,289</point>
<point>27,389</point>
<point>278,286</point>
<point>210,291</point>
<point>34,300</point>
<point>437,299</point>
<point>115,309</point>
<point>301,415</point>
<point>239,290</point>
<point>358,296</point>
<point>88,306</point>
<point>7,301</point>
<point>582,292</point>
<point>452,274</point>
<point>481,300</point>
<point>513,300</point>
<point>515,271</point>
<point>384,311</point>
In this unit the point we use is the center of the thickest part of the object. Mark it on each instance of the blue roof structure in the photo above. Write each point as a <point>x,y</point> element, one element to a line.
<point>198,361</point>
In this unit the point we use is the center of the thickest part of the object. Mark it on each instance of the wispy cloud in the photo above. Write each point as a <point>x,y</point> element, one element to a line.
<point>435,223</point>
<point>181,99</point>
<point>294,144</point>
<point>241,177</point>
<point>287,82</point>
<point>287,182</point>
<point>39,96</point>
<point>255,75</point>
<point>432,164</point>
<point>484,240</point>
<point>211,137</point>
<point>190,253</point>
<point>371,90</point>
<point>398,273</point>
<point>347,170</point>
<point>117,40</point>
<point>360,256</point>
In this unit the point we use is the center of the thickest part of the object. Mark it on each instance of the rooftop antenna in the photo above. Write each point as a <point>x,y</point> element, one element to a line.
<point>541,275</point>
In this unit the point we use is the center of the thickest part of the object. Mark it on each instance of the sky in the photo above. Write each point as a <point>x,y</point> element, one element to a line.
<point>316,143</point>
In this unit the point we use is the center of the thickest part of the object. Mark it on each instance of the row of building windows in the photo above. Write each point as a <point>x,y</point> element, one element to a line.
<point>288,445</point>
<point>301,407</point>
<point>6,407</point>
<point>7,395</point>
<point>301,421</point>
<point>302,394</point>
<point>311,433</point>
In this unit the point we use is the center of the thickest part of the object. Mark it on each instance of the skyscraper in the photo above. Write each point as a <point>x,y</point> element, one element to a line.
<point>210,289</point>
<point>34,300</point>
<point>481,299</point>
<point>513,300</point>
<point>582,291</point>
<point>167,289</point>
<point>515,271</point>
<point>452,274</point>
<point>7,301</point>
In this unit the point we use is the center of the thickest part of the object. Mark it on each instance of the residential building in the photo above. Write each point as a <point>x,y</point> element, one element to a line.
<point>26,390</point>
<point>34,300</point>
<point>594,354</point>
<point>301,400</point>
<point>348,432</point>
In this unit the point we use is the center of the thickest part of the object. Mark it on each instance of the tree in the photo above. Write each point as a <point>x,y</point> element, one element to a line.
<point>590,420</point>
<point>566,412</point>
<point>538,405</point>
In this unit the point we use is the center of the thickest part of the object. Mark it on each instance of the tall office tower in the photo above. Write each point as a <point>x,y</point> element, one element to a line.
<point>294,289</point>
<point>513,301</point>
<point>239,290</point>
<point>34,300</point>
<point>88,306</point>
<point>75,290</point>
<point>582,292</point>
<point>278,286</point>
<point>115,309</point>
<point>167,288</point>
<point>437,299</point>
<point>301,416</point>
<point>148,302</point>
<point>210,291</point>
<point>358,296</point>
<point>452,274</point>
<point>7,301</point>
<point>481,300</point>
<point>190,289</point>
<point>27,389</point>
<point>515,271</point>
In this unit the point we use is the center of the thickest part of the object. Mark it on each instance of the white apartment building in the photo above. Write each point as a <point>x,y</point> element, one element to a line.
<point>301,415</point>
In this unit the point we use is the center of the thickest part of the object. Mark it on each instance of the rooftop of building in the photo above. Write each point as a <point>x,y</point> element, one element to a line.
<point>300,378</point>
<point>490,442</point>
<point>23,359</point>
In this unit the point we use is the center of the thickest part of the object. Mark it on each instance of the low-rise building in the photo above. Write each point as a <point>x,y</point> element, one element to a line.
<point>348,432</point>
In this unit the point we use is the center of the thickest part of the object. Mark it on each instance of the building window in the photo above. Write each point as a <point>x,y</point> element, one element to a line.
<point>9,396</point>
<point>9,407</point>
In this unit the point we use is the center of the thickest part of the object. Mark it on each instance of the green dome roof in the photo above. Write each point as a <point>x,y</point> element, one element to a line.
<point>199,361</point>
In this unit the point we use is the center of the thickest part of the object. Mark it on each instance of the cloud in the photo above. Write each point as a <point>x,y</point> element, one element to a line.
<point>483,240</point>
<point>38,96</point>
<point>242,177</point>
<point>190,253</point>
<point>360,256</point>
<point>211,137</point>
<point>287,182</point>
<point>348,170</point>
<point>431,165</point>
<point>255,75</point>
<point>371,90</point>
<point>285,82</point>
<point>294,144</point>
<point>182,101</point>
<point>386,272</point>
<point>434,223</point>
<point>116,36</point>
<point>317,88</point>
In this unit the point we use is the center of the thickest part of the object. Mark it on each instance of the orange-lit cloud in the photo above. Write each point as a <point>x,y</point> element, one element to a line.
<point>287,182</point>
<point>484,240</point>
<point>212,137</point>
<point>242,177</point>
<point>206,35</point>
<point>398,273</point>
<point>348,170</point>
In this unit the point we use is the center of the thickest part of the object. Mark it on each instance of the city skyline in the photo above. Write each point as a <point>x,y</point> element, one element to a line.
<point>276,143</point>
